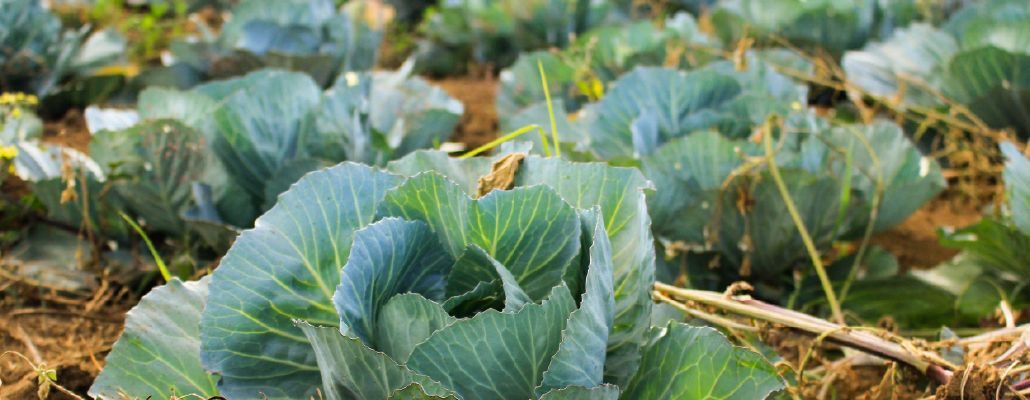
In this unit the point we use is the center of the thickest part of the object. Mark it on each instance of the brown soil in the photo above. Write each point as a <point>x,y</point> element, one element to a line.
<point>915,241</point>
<point>841,378</point>
<point>974,384</point>
<point>69,340</point>
<point>70,131</point>
<point>479,124</point>
<point>68,332</point>
<point>866,383</point>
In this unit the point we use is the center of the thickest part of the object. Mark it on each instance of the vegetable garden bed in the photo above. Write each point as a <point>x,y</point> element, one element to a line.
<point>553,199</point>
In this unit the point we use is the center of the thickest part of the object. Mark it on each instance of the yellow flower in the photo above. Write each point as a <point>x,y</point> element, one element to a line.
<point>8,152</point>
<point>16,99</point>
<point>16,113</point>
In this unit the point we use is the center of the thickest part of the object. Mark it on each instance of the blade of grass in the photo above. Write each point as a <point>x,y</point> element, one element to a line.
<point>550,108</point>
<point>153,251</point>
<point>874,212</point>
<point>845,190</point>
<point>813,253</point>
<point>510,136</point>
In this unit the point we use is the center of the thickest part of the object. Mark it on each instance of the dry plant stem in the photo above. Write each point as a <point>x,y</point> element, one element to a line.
<point>843,335</point>
<point>112,318</point>
<point>721,321</point>
<point>22,336</point>
<point>1006,311</point>
<point>997,335</point>
<point>813,253</point>
<point>37,368</point>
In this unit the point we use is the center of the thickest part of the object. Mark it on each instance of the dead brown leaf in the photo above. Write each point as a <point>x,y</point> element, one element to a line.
<point>502,174</point>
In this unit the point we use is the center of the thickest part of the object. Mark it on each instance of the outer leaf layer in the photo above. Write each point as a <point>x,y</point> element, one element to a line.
<point>284,269</point>
<point>699,363</point>
<point>152,165</point>
<point>158,355</point>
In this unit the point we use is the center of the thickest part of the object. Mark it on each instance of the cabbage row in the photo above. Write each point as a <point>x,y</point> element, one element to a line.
<point>356,264</point>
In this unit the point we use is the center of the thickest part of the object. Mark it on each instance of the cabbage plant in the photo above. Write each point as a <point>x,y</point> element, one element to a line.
<point>69,184</point>
<point>300,35</point>
<point>248,139</point>
<point>495,32</point>
<point>419,281</point>
<point>975,59</point>
<point>692,133</point>
<point>597,57</point>
<point>37,56</point>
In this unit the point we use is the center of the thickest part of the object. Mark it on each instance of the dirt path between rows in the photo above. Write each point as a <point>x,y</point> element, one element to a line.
<point>479,123</point>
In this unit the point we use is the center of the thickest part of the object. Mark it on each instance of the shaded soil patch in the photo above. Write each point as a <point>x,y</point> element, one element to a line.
<point>74,344</point>
<point>479,123</point>
<point>69,131</point>
<point>915,241</point>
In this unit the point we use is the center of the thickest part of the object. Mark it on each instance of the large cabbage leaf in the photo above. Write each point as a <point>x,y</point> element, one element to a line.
<point>702,365</point>
<point>906,68</point>
<point>150,166</point>
<point>650,106</point>
<point>159,352</point>
<point>259,124</point>
<point>691,172</point>
<point>286,268</point>
<point>992,83</point>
